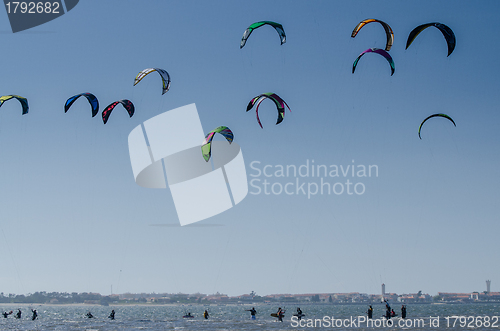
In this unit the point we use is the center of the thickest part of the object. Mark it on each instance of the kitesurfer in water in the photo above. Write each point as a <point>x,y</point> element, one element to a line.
<point>370,312</point>
<point>387,309</point>
<point>280,314</point>
<point>35,315</point>
<point>403,311</point>
<point>299,313</point>
<point>5,314</point>
<point>18,314</point>
<point>252,312</point>
<point>112,315</point>
<point>205,314</point>
<point>89,315</point>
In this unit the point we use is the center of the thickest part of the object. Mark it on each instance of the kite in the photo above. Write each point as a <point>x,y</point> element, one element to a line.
<point>378,51</point>
<point>23,101</point>
<point>434,115</point>
<point>387,28</point>
<point>165,77</point>
<point>90,97</point>
<point>206,147</point>
<point>280,104</point>
<point>277,26</point>
<point>128,105</point>
<point>445,30</point>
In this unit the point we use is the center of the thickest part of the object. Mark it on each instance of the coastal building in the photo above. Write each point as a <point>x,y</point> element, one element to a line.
<point>455,297</point>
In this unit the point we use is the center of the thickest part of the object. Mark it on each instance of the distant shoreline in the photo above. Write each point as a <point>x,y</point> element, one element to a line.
<point>302,303</point>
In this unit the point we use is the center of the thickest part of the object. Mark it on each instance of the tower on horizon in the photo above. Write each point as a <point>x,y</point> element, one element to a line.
<point>488,286</point>
<point>383,289</point>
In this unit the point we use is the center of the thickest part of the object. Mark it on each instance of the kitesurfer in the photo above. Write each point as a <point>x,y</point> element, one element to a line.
<point>18,314</point>
<point>403,311</point>
<point>370,312</point>
<point>205,314</point>
<point>188,315</point>
<point>89,315</point>
<point>252,312</point>
<point>5,314</point>
<point>280,314</point>
<point>35,315</point>
<point>112,315</point>
<point>387,309</point>
<point>299,313</point>
<point>387,305</point>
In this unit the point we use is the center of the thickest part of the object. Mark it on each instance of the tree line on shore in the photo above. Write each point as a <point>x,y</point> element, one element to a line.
<point>53,297</point>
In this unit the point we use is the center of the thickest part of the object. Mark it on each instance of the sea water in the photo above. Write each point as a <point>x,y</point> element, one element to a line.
<point>234,317</point>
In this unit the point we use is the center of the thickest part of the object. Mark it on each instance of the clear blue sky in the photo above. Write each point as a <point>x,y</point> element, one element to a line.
<point>73,219</point>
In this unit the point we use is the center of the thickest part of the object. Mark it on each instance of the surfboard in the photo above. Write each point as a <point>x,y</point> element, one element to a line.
<point>276,315</point>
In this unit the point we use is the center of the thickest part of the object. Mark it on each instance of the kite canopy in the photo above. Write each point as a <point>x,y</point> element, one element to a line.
<point>445,30</point>
<point>249,30</point>
<point>280,105</point>
<point>387,28</point>
<point>378,51</point>
<point>165,77</point>
<point>128,105</point>
<point>434,115</point>
<point>206,147</point>
<point>90,97</point>
<point>23,101</point>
